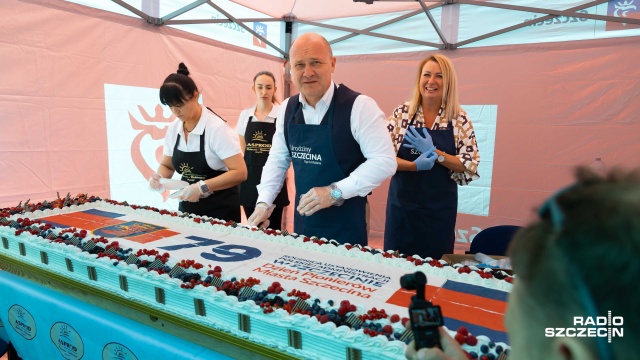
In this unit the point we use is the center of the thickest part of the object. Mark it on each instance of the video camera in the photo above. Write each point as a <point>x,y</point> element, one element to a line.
<point>425,317</point>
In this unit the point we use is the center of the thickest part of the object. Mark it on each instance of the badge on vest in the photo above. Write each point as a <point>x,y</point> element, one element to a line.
<point>304,153</point>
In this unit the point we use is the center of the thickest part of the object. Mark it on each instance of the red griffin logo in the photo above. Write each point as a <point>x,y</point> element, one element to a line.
<point>155,132</point>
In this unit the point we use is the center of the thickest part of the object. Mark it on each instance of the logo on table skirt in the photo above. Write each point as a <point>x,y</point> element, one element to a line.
<point>591,326</point>
<point>623,9</point>
<point>115,351</point>
<point>127,229</point>
<point>260,29</point>
<point>304,153</point>
<point>22,322</point>
<point>67,340</point>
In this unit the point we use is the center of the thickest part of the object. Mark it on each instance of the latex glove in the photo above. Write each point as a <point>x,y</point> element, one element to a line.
<point>417,141</point>
<point>261,214</point>
<point>154,183</point>
<point>191,193</point>
<point>451,350</point>
<point>317,198</point>
<point>426,161</point>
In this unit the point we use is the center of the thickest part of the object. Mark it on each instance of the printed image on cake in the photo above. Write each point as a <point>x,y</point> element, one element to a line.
<point>309,297</point>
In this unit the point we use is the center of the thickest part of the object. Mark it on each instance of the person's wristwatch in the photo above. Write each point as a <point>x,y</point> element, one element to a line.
<point>441,157</point>
<point>336,195</point>
<point>203,187</point>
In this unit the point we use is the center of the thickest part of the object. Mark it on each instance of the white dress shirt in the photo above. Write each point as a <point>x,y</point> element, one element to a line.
<point>368,126</point>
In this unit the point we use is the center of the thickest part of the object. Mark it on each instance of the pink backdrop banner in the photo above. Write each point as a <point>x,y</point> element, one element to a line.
<point>67,70</point>
<point>60,63</point>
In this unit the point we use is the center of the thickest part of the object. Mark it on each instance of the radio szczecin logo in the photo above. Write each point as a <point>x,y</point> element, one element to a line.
<point>589,326</point>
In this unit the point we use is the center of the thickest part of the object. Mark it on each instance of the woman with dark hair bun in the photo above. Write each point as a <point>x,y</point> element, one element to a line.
<point>255,128</point>
<point>204,149</point>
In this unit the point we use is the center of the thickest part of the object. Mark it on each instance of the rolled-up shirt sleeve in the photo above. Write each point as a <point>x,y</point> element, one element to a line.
<point>278,162</point>
<point>368,126</point>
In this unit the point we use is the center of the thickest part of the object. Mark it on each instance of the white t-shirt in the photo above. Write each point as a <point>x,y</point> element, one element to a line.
<point>220,140</point>
<point>243,120</point>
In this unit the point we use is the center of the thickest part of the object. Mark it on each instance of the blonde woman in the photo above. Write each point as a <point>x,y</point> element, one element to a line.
<point>436,151</point>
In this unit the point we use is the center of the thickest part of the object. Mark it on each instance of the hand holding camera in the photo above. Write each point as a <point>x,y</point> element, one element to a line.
<point>425,317</point>
<point>426,322</point>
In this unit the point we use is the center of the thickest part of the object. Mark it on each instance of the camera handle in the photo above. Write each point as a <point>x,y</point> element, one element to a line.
<point>424,336</point>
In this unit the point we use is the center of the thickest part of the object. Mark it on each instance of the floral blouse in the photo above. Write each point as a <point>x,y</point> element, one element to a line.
<point>465,138</point>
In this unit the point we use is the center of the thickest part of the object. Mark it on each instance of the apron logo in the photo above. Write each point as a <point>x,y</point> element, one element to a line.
<point>304,153</point>
<point>258,148</point>
<point>258,136</point>
<point>186,172</point>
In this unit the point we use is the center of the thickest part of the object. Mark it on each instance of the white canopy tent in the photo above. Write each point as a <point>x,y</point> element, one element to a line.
<point>384,26</point>
<point>546,88</point>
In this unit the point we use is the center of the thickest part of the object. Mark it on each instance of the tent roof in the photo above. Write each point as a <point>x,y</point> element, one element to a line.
<point>379,26</point>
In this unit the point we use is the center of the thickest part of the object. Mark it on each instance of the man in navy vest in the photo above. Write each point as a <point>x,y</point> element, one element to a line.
<point>338,143</point>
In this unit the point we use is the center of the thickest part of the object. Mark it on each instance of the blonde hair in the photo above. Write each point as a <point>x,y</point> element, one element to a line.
<point>450,100</point>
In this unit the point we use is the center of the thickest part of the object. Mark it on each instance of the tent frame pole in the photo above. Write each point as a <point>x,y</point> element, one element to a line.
<point>230,17</point>
<point>363,32</point>
<point>445,43</point>
<point>555,12</point>
<point>183,10</point>
<point>526,23</point>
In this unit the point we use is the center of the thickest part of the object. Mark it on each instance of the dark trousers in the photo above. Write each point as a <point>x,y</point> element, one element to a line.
<point>275,220</point>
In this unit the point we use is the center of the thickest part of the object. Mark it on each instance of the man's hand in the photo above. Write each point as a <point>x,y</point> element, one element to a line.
<point>154,183</point>
<point>315,199</point>
<point>260,216</point>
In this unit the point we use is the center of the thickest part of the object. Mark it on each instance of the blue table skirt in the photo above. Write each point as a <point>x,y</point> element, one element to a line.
<point>45,324</point>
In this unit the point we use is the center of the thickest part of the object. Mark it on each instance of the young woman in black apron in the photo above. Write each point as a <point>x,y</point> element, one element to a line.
<point>255,128</point>
<point>202,148</point>
<point>436,152</point>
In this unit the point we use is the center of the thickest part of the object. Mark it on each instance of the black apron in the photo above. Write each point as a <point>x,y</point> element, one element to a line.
<point>315,152</point>
<point>422,206</point>
<point>222,204</point>
<point>258,138</point>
